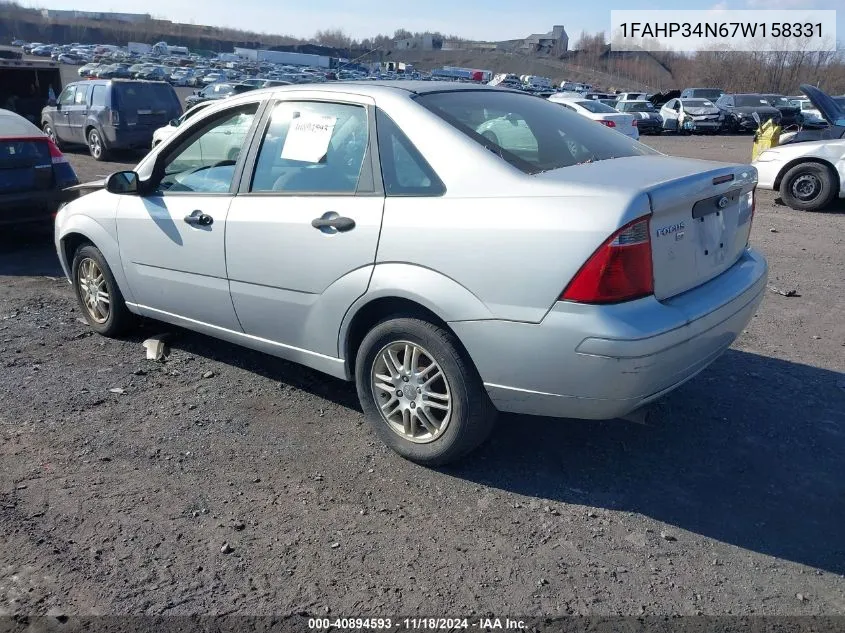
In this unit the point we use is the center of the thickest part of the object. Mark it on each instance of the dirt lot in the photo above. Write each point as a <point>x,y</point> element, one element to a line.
<point>122,478</point>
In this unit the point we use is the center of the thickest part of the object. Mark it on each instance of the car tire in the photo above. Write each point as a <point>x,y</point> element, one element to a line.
<point>90,272</point>
<point>51,133</point>
<point>96,146</point>
<point>415,424</point>
<point>808,187</point>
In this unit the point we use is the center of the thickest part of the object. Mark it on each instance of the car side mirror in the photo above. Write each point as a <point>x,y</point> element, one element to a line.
<point>123,183</point>
<point>174,122</point>
<point>52,103</point>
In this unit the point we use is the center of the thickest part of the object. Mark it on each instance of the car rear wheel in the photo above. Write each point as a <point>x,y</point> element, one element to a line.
<point>421,393</point>
<point>96,147</point>
<point>808,187</point>
<point>97,293</point>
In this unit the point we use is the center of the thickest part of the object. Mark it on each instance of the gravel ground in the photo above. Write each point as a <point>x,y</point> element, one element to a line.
<point>122,478</point>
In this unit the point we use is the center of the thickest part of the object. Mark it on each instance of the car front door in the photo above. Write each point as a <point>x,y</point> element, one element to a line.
<point>78,112</point>
<point>172,237</point>
<point>301,237</point>
<point>61,115</point>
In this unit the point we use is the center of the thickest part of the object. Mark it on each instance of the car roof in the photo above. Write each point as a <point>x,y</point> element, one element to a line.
<point>13,124</point>
<point>375,88</point>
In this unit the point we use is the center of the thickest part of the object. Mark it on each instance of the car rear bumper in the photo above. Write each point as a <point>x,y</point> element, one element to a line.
<point>30,206</point>
<point>129,138</point>
<point>602,362</point>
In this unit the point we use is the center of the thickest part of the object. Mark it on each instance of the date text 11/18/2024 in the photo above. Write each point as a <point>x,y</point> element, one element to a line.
<point>417,624</point>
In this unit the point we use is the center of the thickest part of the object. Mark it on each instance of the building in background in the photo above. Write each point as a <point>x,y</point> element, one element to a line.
<point>555,42</point>
<point>422,43</point>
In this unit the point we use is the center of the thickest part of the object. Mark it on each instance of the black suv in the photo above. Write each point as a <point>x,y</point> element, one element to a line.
<point>739,111</point>
<point>110,114</point>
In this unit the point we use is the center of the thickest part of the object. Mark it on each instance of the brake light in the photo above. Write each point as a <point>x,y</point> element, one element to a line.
<point>619,270</point>
<point>608,123</point>
<point>56,155</point>
<point>634,122</point>
<point>115,117</point>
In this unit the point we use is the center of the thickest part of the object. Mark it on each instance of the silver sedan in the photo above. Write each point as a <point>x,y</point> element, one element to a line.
<point>454,249</point>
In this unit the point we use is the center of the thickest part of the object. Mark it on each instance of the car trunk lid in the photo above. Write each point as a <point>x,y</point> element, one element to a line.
<point>25,165</point>
<point>622,122</point>
<point>699,227</point>
<point>700,218</point>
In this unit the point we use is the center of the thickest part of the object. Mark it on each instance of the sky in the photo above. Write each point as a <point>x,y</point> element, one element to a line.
<point>473,19</point>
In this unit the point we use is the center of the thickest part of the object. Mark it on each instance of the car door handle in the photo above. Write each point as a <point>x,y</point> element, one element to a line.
<point>198,218</point>
<point>331,222</point>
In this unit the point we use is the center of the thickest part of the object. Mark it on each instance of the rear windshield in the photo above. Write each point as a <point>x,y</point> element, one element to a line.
<point>704,93</point>
<point>596,107</point>
<point>145,96</point>
<point>743,101</point>
<point>637,106</point>
<point>530,133</point>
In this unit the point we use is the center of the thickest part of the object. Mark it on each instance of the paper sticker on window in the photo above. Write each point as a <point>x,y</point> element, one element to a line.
<point>308,137</point>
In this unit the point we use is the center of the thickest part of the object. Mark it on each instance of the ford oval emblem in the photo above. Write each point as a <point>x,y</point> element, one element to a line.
<point>723,202</point>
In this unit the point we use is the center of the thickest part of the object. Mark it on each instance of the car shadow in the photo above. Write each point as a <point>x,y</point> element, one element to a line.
<point>749,453</point>
<point>28,250</point>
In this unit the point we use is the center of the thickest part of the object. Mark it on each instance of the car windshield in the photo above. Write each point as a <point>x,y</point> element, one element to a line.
<point>636,106</point>
<point>777,101</point>
<point>532,134</point>
<point>595,106</point>
<point>744,101</point>
<point>698,103</point>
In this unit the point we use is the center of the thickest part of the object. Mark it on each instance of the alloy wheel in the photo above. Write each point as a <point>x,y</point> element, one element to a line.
<point>93,291</point>
<point>95,145</point>
<point>411,392</point>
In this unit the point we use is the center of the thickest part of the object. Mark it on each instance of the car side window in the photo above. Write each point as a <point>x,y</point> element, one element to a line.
<point>81,97</point>
<point>98,96</point>
<point>404,170</point>
<point>68,95</point>
<point>205,161</point>
<point>312,147</point>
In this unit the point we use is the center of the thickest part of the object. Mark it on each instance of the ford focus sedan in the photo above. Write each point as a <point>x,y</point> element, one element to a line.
<point>381,234</point>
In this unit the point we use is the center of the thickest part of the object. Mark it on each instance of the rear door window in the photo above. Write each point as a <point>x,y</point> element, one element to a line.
<point>312,147</point>
<point>81,97</point>
<point>98,96</point>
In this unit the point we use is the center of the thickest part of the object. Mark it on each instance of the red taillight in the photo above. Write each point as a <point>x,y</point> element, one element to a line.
<point>55,153</point>
<point>608,123</point>
<point>634,122</point>
<point>619,270</point>
<point>115,117</point>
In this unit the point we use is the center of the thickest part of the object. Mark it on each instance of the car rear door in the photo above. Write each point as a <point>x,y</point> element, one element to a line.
<point>302,234</point>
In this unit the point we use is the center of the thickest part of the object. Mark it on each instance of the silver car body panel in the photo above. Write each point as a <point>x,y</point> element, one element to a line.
<point>490,257</point>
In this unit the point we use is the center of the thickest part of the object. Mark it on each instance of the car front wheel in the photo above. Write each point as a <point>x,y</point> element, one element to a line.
<point>808,187</point>
<point>97,293</point>
<point>421,393</point>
